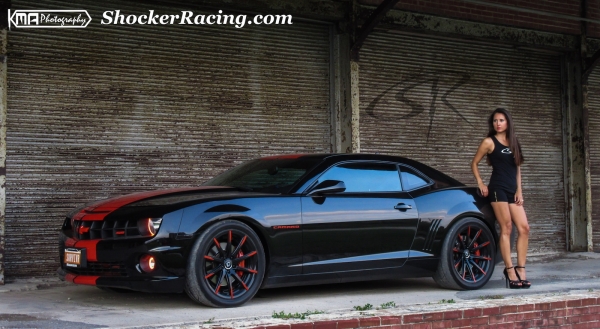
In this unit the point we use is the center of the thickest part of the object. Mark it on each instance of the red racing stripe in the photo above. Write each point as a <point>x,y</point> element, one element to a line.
<point>99,210</point>
<point>86,279</point>
<point>90,246</point>
<point>70,277</point>
<point>287,156</point>
<point>70,242</point>
<point>81,279</point>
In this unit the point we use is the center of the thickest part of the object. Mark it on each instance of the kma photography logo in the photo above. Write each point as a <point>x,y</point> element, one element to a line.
<point>48,19</point>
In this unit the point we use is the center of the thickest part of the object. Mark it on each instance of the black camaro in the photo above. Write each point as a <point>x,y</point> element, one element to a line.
<point>282,221</point>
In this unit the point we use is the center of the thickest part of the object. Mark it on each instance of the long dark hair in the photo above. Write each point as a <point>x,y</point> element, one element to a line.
<point>513,141</point>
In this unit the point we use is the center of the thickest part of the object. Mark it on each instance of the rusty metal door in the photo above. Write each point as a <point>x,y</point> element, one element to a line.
<point>594,128</point>
<point>114,109</point>
<point>429,99</point>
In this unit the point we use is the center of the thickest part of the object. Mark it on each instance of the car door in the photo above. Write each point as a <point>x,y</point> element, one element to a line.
<point>369,225</point>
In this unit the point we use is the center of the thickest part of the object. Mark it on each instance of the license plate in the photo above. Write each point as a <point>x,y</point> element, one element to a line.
<point>74,257</point>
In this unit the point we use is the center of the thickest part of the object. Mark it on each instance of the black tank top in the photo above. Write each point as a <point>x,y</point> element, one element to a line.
<point>504,169</point>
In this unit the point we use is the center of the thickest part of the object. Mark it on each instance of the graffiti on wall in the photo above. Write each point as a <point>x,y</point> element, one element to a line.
<point>443,84</point>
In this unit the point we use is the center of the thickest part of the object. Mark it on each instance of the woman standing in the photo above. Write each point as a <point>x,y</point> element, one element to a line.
<point>504,191</point>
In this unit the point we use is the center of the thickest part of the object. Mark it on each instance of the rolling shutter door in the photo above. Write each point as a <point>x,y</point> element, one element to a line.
<point>110,110</point>
<point>429,99</point>
<point>594,128</point>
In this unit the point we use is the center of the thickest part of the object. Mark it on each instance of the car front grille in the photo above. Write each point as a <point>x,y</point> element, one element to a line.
<point>118,229</point>
<point>99,269</point>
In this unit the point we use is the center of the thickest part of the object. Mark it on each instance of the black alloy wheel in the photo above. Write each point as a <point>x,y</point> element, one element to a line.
<point>226,266</point>
<point>468,256</point>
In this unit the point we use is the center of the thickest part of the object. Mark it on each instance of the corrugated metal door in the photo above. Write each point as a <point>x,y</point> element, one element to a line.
<point>429,99</point>
<point>594,128</point>
<point>109,110</point>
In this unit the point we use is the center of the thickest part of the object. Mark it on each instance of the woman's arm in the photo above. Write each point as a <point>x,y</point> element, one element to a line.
<point>486,146</point>
<point>519,192</point>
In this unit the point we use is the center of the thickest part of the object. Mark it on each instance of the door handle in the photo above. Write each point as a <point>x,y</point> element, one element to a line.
<point>402,206</point>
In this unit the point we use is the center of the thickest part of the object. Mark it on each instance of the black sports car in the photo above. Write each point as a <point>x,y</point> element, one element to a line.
<point>282,221</point>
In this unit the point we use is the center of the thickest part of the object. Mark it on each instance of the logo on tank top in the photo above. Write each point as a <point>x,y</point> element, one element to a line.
<point>506,151</point>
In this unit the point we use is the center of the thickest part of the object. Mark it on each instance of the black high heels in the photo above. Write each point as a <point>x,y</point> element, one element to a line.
<point>524,283</point>
<point>512,284</point>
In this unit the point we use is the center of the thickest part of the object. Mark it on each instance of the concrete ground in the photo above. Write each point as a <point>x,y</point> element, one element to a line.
<point>49,303</point>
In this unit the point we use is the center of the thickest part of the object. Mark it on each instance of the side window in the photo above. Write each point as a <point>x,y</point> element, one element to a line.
<point>365,177</point>
<point>410,179</point>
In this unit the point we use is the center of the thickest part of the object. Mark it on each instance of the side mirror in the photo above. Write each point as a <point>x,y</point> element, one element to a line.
<point>328,187</point>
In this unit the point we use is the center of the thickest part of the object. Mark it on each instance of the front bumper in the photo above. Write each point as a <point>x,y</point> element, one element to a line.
<point>151,284</point>
<point>115,264</point>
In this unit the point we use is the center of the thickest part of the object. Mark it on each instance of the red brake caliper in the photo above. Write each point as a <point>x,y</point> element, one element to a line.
<point>241,264</point>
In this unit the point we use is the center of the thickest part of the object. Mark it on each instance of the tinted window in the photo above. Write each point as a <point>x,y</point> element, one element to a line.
<point>410,179</point>
<point>365,177</point>
<point>265,175</point>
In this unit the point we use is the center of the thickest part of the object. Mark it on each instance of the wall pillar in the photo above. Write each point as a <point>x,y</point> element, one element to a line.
<point>576,156</point>
<point>354,73</point>
<point>3,110</point>
<point>342,110</point>
<point>585,110</point>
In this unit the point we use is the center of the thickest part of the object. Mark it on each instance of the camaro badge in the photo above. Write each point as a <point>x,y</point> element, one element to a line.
<point>286,227</point>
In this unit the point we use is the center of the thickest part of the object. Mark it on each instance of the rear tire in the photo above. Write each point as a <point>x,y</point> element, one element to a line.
<point>226,265</point>
<point>468,256</point>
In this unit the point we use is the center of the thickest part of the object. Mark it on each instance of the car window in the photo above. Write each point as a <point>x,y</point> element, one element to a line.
<point>365,177</point>
<point>265,175</point>
<point>411,179</point>
<point>270,177</point>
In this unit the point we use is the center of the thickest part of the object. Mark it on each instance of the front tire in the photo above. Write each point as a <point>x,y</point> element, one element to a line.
<point>468,256</point>
<point>226,265</point>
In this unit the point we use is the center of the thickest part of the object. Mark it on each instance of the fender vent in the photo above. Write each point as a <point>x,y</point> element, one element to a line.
<point>433,228</point>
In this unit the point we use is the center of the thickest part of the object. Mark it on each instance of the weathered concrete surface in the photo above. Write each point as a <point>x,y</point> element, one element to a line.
<point>48,303</point>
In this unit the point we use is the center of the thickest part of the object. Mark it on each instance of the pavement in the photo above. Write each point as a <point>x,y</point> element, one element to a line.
<point>50,303</point>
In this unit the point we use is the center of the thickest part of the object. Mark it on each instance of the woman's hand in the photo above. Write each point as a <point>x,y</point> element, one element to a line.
<point>519,197</point>
<point>483,189</point>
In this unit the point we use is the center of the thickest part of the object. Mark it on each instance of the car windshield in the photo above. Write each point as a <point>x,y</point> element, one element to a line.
<point>271,175</point>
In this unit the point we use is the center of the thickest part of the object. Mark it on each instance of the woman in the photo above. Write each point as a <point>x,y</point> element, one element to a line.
<point>504,191</point>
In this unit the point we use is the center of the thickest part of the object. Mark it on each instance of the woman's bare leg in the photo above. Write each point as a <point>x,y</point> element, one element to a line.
<point>503,216</point>
<point>519,218</point>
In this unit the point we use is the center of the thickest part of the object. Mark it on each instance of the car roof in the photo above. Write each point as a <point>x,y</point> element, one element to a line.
<point>336,157</point>
<point>341,156</point>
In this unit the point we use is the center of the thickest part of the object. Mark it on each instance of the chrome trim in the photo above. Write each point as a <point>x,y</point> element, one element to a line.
<point>164,248</point>
<point>415,254</point>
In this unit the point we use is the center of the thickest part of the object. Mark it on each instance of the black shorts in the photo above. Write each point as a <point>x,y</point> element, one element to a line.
<point>500,195</point>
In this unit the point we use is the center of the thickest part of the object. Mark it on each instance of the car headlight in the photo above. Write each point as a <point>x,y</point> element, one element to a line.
<point>149,226</point>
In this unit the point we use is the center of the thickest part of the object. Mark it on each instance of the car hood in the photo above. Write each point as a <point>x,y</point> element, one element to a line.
<point>167,198</point>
